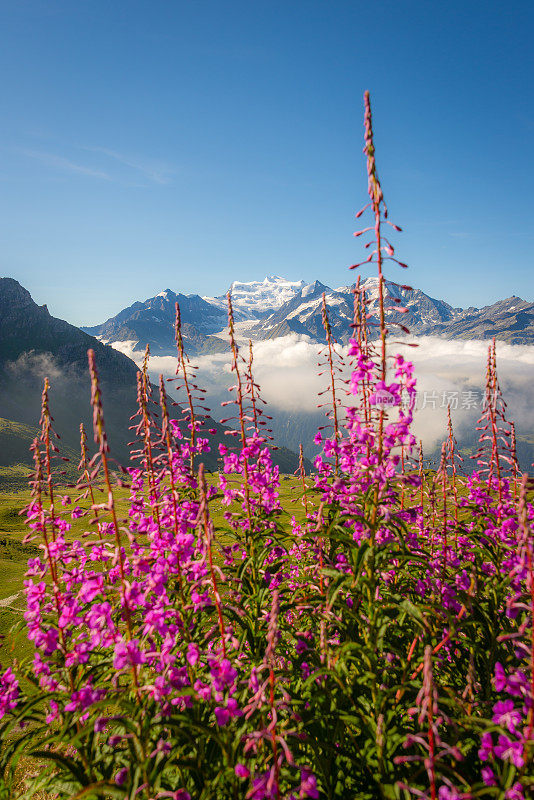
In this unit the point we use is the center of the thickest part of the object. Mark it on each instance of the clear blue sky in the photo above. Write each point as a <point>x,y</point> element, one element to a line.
<point>148,144</point>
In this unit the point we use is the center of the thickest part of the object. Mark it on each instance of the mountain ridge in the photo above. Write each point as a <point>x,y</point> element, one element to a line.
<point>277,306</point>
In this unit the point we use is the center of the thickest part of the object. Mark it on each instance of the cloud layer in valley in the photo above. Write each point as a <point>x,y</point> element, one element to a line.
<point>448,372</point>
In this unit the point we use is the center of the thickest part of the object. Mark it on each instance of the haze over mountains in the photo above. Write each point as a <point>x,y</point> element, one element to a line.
<point>278,307</point>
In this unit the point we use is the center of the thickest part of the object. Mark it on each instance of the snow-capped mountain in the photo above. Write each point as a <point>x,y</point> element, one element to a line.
<point>276,307</point>
<point>303,312</point>
<point>422,311</point>
<point>257,298</point>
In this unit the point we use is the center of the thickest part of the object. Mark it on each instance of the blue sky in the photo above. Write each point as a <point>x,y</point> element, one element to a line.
<point>148,144</point>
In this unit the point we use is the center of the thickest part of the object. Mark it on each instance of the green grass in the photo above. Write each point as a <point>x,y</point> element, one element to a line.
<point>14,478</point>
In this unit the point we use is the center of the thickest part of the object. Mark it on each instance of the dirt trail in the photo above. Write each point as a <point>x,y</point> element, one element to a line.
<point>6,601</point>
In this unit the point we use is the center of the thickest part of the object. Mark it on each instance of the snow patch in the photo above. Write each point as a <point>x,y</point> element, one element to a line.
<point>242,331</point>
<point>306,290</point>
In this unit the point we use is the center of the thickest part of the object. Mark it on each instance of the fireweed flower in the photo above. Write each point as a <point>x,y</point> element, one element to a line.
<point>508,750</point>
<point>9,691</point>
<point>505,714</point>
<point>120,777</point>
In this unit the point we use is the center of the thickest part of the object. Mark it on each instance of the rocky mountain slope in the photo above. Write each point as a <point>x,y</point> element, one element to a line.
<point>152,322</point>
<point>510,320</point>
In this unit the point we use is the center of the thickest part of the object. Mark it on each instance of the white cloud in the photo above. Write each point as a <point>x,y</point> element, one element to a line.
<point>286,369</point>
<point>130,168</point>
<point>53,160</point>
<point>444,366</point>
<point>155,171</point>
<point>127,348</point>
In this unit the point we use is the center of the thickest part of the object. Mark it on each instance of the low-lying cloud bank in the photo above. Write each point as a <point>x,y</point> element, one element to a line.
<point>448,373</point>
<point>454,372</point>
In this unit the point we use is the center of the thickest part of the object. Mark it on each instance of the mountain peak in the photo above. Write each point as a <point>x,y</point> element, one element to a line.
<point>14,297</point>
<point>313,288</point>
<point>12,292</point>
<point>254,299</point>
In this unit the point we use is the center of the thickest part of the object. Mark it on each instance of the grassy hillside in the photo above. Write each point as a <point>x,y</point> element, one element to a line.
<point>15,441</point>
<point>15,455</point>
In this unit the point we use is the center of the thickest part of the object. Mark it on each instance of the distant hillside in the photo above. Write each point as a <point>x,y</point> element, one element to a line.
<point>15,456</point>
<point>33,344</point>
<point>16,460</point>
<point>510,320</point>
<point>15,442</point>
